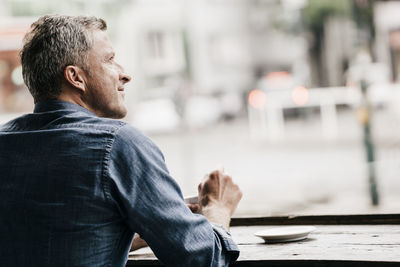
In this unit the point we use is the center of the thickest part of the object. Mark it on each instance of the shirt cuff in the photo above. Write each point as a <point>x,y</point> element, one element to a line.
<point>227,242</point>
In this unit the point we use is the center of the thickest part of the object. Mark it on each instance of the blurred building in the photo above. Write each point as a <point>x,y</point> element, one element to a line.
<point>387,42</point>
<point>13,95</point>
<point>220,45</point>
<point>180,49</point>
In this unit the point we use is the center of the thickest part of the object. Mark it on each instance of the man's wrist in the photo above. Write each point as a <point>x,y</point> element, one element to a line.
<point>217,215</point>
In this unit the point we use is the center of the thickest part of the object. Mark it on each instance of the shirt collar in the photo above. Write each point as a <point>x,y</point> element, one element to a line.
<point>52,105</point>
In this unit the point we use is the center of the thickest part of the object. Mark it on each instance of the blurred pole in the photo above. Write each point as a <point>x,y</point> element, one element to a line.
<point>363,15</point>
<point>365,116</point>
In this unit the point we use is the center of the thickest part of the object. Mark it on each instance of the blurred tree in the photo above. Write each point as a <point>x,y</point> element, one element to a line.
<point>363,14</point>
<point>316,13</point>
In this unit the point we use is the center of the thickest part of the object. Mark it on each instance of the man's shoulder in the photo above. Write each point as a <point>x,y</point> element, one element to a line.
<point>78,122</point>
<point>122,130</point>
<point>128,138</point>
<point>64,120</point>
<point>99,123</point>
<point>127,133</point>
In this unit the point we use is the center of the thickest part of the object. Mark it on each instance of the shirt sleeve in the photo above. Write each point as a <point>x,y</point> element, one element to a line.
<point>152,203</point>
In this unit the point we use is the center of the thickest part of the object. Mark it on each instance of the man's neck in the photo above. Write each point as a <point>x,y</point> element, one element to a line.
<point>74,98</point>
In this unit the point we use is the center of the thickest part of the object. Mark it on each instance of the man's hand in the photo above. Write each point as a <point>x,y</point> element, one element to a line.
<point>138,243</point>
<point>195,208</point>
<point>218,197</point>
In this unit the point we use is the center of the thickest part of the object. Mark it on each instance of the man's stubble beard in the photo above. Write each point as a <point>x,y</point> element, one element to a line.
<point>98,101</point>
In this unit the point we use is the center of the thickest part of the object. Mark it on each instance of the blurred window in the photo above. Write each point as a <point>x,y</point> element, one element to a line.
<point>155,41</point>
<point>164,52</point>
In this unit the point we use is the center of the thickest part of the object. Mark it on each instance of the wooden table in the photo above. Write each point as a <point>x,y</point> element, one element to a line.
<point>359,240</point>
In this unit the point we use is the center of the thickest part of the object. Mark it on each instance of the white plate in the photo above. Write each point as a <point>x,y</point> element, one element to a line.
<point>285,233</point>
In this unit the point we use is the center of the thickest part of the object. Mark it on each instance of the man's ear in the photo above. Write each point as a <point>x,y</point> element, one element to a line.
<point>75,77</point>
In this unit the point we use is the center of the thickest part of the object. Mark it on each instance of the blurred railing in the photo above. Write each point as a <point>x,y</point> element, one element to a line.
<point>268,120</point>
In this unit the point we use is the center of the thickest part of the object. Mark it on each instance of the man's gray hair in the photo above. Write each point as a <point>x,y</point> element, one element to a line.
<point>53,43</point>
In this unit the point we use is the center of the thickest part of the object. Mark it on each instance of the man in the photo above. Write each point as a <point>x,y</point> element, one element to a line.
<point>76,184</point>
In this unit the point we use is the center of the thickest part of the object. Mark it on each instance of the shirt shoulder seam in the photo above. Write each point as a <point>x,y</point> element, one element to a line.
<point>106,160</point>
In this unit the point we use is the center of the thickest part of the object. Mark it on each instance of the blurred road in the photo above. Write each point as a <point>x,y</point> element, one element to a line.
<point>300,174</point>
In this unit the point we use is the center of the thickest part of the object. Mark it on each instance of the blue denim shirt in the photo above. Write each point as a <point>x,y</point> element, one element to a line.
<point>74,188</point>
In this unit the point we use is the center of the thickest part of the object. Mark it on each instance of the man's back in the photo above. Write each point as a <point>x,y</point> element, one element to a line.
<point>53,206</point>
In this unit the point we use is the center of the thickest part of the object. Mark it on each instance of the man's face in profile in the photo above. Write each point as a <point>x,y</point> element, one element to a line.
<point>105,79</point>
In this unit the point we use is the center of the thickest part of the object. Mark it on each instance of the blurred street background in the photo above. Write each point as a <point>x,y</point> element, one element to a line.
<point>299,100</point>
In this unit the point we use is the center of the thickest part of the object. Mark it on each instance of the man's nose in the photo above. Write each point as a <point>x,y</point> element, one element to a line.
<point>124,77</point>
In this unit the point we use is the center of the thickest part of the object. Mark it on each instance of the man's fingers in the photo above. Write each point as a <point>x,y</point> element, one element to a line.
<point>199,187</point>
<point>220,168</point>
<point>195,208</point>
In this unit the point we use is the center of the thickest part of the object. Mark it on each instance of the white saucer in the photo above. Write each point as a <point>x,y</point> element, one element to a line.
<point>285,233</point>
